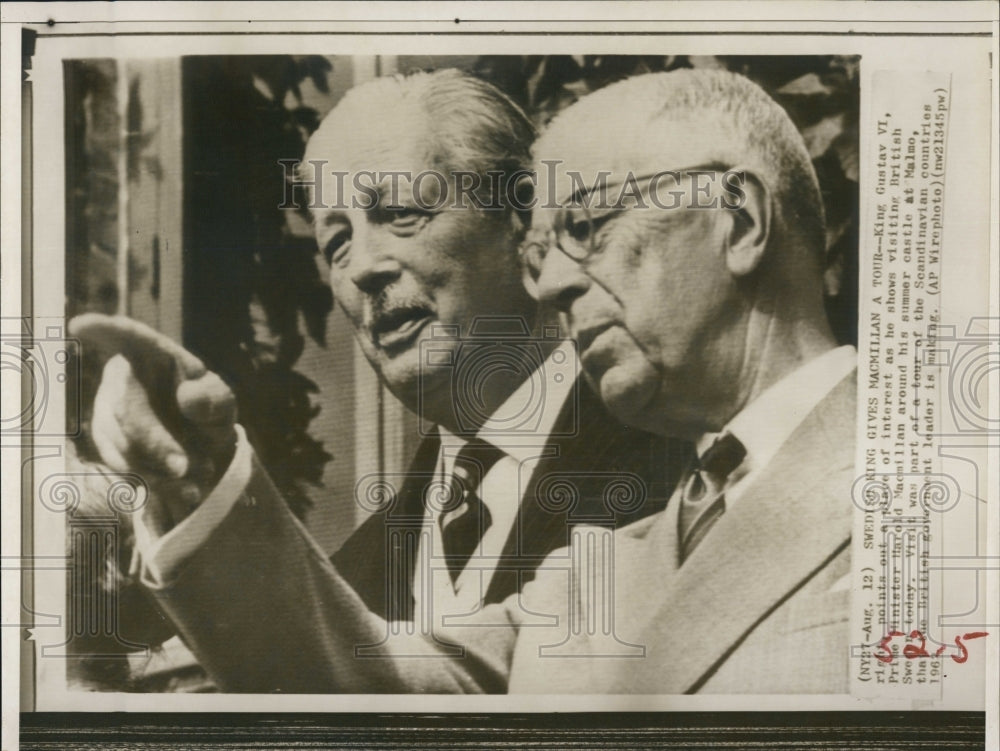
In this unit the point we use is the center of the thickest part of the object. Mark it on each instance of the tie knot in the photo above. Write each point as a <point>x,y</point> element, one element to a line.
<point>703,502</point>
<point>473,461</point>
<point>724,455</point>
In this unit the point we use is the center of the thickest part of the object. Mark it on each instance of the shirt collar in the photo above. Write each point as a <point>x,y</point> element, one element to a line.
<point>549,386</point>
<point>770,419</point>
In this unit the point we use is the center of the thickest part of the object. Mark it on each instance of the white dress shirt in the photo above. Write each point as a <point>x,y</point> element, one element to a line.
<point>522,433</point>
<point>520,428</point>
<point>770,419</point>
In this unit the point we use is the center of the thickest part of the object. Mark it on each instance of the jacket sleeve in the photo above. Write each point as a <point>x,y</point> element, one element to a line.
<point>264,610</point>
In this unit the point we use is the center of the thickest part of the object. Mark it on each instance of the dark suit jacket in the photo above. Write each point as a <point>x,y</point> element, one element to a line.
<point>594,470</point>
<point>759,607</point>
<point>263,608</point>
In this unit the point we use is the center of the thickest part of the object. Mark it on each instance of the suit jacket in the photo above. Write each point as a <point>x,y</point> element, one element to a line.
<point>587,448</point>
<point>264,609</point>
<point>760,606</point>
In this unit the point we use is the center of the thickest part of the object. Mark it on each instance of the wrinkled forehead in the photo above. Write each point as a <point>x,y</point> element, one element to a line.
<point>584,153</point>
<point>369,142</point>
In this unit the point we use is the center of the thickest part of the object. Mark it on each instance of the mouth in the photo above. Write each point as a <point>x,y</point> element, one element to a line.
<point>586,337</point>
<point>396,329</point>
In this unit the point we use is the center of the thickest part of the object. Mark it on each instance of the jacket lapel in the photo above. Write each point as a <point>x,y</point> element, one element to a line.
<point>381,575</point>
<point>589,457</point>
<point>788,524</point>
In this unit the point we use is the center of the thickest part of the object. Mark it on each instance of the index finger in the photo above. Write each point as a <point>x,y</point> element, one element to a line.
<point>135,341</point>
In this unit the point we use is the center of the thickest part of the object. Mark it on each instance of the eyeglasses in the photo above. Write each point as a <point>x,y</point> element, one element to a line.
<point>576,228</point>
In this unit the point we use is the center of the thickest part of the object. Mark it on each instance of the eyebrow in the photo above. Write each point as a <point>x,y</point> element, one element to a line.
<point>328,216</point>
<point>709,166</point>
<point>384,189</point>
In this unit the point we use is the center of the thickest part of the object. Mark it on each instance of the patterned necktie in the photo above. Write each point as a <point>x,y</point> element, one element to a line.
<point>703,501</point>
<point>463,525</point>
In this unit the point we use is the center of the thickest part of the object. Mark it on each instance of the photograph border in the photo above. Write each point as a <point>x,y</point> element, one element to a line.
<point>805,729</point>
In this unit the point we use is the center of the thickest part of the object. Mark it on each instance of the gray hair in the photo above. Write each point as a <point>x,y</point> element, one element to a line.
<point>747,128</point>
<point>473,126</point>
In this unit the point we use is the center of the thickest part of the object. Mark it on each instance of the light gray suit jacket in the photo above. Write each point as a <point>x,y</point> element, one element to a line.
<point>757,608</point>
<point>760,606</point>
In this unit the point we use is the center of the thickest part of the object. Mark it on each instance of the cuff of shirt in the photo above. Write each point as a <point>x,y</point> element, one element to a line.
<point>160,558</point>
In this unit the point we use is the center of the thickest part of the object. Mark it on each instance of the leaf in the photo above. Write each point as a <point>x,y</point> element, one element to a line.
<point>317,68</point>
<point>821,135</point>
<point>557,71</point>
<point>808,85</point>
<point>307,117</point>
<point>846,148</point>
<point>833,278</point>
<point>263,87</point>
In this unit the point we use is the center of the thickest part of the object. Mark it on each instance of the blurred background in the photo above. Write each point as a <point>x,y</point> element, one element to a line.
<point>173,187</point>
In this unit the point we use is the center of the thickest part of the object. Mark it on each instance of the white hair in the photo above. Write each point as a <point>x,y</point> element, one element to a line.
<point>744,126</point>
<point>458,121</point>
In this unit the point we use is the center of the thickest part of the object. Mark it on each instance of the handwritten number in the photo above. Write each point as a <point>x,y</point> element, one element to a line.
<point>884,645</point>
<point>911,651</point>
<point>964,652</point>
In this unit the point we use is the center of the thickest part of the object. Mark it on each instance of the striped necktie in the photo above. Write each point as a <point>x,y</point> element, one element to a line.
<point>466,521</point>
<point>702,501</point>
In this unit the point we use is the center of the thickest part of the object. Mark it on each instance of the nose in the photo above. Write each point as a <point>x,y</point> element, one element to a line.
<point>372,268</point>
<point>561,281</point>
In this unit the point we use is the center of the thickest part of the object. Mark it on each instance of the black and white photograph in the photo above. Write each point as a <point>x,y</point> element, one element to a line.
<point>540,395</point>
<point>537,368</point>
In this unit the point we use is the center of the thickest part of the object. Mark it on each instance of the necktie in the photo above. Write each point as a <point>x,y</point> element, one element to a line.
<point>463,525</point>
<point>703,501</point>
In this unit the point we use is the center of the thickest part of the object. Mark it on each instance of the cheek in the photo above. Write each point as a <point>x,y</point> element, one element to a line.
<point>629,385</point>
<point>477,269</point>
<point>676,280</point>
<point>348,299</point>
<point>648,290</point>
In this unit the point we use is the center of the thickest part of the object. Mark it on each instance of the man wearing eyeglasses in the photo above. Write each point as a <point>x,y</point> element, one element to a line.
<point>706,322</point>
<point>432,285</point>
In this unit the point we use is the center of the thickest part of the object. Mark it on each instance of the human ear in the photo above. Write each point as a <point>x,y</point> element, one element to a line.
<point>521,200</point>
<point>749,204</point>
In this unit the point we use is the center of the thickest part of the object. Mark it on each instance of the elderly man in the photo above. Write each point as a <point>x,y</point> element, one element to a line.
<point>701,318</point>
<point>698,311</point>
<point>693,285</point>
<point>428,274</point>
<point>706,321</point>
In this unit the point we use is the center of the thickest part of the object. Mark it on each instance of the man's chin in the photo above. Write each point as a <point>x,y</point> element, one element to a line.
<point>628,398</point>
<point>413,380</point>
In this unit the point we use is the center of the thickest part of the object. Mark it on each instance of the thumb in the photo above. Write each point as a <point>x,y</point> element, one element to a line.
<point>207,401</point>
<point>209,405</point>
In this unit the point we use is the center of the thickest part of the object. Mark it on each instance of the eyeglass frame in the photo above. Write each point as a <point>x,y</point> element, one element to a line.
<point>552,235</point>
